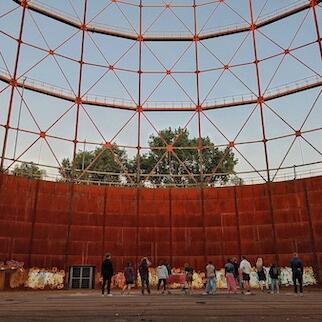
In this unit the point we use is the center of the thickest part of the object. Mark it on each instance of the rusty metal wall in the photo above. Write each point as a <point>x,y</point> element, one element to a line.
<point>48,224</point>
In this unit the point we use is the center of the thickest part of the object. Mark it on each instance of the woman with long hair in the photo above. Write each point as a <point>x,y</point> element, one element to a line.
<point>261,273</point>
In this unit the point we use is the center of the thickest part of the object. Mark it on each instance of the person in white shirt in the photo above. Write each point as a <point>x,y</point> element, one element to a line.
<point>245,268</point>
<point>162,274</point>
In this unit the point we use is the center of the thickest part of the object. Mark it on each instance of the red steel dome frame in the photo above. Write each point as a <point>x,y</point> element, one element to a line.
<point>140,107</point>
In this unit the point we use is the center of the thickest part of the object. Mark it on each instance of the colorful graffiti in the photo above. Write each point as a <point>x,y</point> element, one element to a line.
<point>199,278</point>
<point>37,278</point>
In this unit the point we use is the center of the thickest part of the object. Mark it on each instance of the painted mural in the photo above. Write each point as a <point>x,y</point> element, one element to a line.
<point>199,278</point>
<point>41,278</point>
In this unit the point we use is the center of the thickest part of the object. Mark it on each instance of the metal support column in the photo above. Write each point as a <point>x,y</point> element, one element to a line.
<point>313,5</point>
<point>13,83</point>
<point>260,99</point>
<point>139,106</point>
<point>78,99</point>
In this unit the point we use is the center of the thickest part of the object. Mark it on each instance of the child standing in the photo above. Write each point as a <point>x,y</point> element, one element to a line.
<point>274,273</point>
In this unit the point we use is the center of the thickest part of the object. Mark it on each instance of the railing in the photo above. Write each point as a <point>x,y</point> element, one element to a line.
<point>167,35</point>
<point>286,173</point>
<point>117,102</point>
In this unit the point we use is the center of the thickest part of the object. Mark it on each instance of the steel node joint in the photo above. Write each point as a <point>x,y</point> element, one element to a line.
<point>298,133</point>
<point>42,134</point>
<point>252,27</point>
<point>108,145</point>
<point>260,100</point>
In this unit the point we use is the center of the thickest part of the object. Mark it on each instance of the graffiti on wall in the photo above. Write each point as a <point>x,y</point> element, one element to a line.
<point>40,278</point>
<point>36,278</point>
<point>199,278</point>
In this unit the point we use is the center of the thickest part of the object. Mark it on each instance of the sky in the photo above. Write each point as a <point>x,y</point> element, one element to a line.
<point>241,124</point>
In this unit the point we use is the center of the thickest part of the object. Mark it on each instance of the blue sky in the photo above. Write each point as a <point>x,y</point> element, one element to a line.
<point>101,50</point>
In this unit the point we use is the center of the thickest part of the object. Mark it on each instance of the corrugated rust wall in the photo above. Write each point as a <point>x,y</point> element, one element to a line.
<point>49,224</point>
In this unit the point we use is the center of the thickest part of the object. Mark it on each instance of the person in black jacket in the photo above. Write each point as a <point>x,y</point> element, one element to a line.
<point>107,274</point>
<point>144,274</point>
<point>297,272</point>
<point>274,273</point>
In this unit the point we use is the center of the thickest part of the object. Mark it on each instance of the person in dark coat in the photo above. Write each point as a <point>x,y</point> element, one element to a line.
<point>144,274</point>
<point>236,272</point>
<point>129,278</point>
<point>297,272</point>
<point>107,273</point>
<point>274,273</point>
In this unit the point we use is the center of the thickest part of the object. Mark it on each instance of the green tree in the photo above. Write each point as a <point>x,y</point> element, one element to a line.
<point>101,165</point>
<point>29,170</point>
<point>175,158</point>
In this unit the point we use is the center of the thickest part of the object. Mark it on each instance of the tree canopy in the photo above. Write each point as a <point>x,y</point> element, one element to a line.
<point>101,164</point>
<point>173,158</point>
<point>29,170</point>
<point>176,158</point>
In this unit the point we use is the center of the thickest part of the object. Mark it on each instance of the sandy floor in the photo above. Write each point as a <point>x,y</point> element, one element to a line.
<point>90,306</point>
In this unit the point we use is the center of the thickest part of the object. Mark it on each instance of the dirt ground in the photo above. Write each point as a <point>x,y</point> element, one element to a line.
<point>90,306</point>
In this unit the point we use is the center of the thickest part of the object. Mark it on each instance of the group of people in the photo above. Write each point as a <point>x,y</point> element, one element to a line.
<point>236,274</point>
<point>163,271</point>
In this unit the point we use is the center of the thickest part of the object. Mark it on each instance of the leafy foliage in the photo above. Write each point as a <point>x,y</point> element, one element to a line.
<point>29,170</point>
<point>189,160</point>
<point>102,164</point>
<point>173,158</point>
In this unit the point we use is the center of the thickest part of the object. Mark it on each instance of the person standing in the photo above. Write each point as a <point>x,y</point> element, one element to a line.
<point>245,268</point>
<point>236,272</point>
<point>211,278</point>
<point>261,273</point>
<point>107,273</point>
<point>144,275</point>
<point>188,270</point>
<point>168,266</point>
<point>274,273</point>
<point>129,278</point>
<point>162,274</point>
<point>230,278</point>
<point>297,272</point>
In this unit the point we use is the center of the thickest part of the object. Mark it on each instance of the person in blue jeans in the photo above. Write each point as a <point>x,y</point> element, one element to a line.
<point>274,272</point>
<point>211,278</point>
<point>297,273</point>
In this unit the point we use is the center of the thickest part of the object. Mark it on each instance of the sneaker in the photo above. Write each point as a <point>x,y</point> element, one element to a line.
<point>301,294</point>
<point>109,294</point>
<point>247,293</point>
<point>103,295</point>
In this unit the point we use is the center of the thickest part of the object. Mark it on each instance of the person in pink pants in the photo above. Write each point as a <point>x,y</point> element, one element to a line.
<point>230,278</point>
